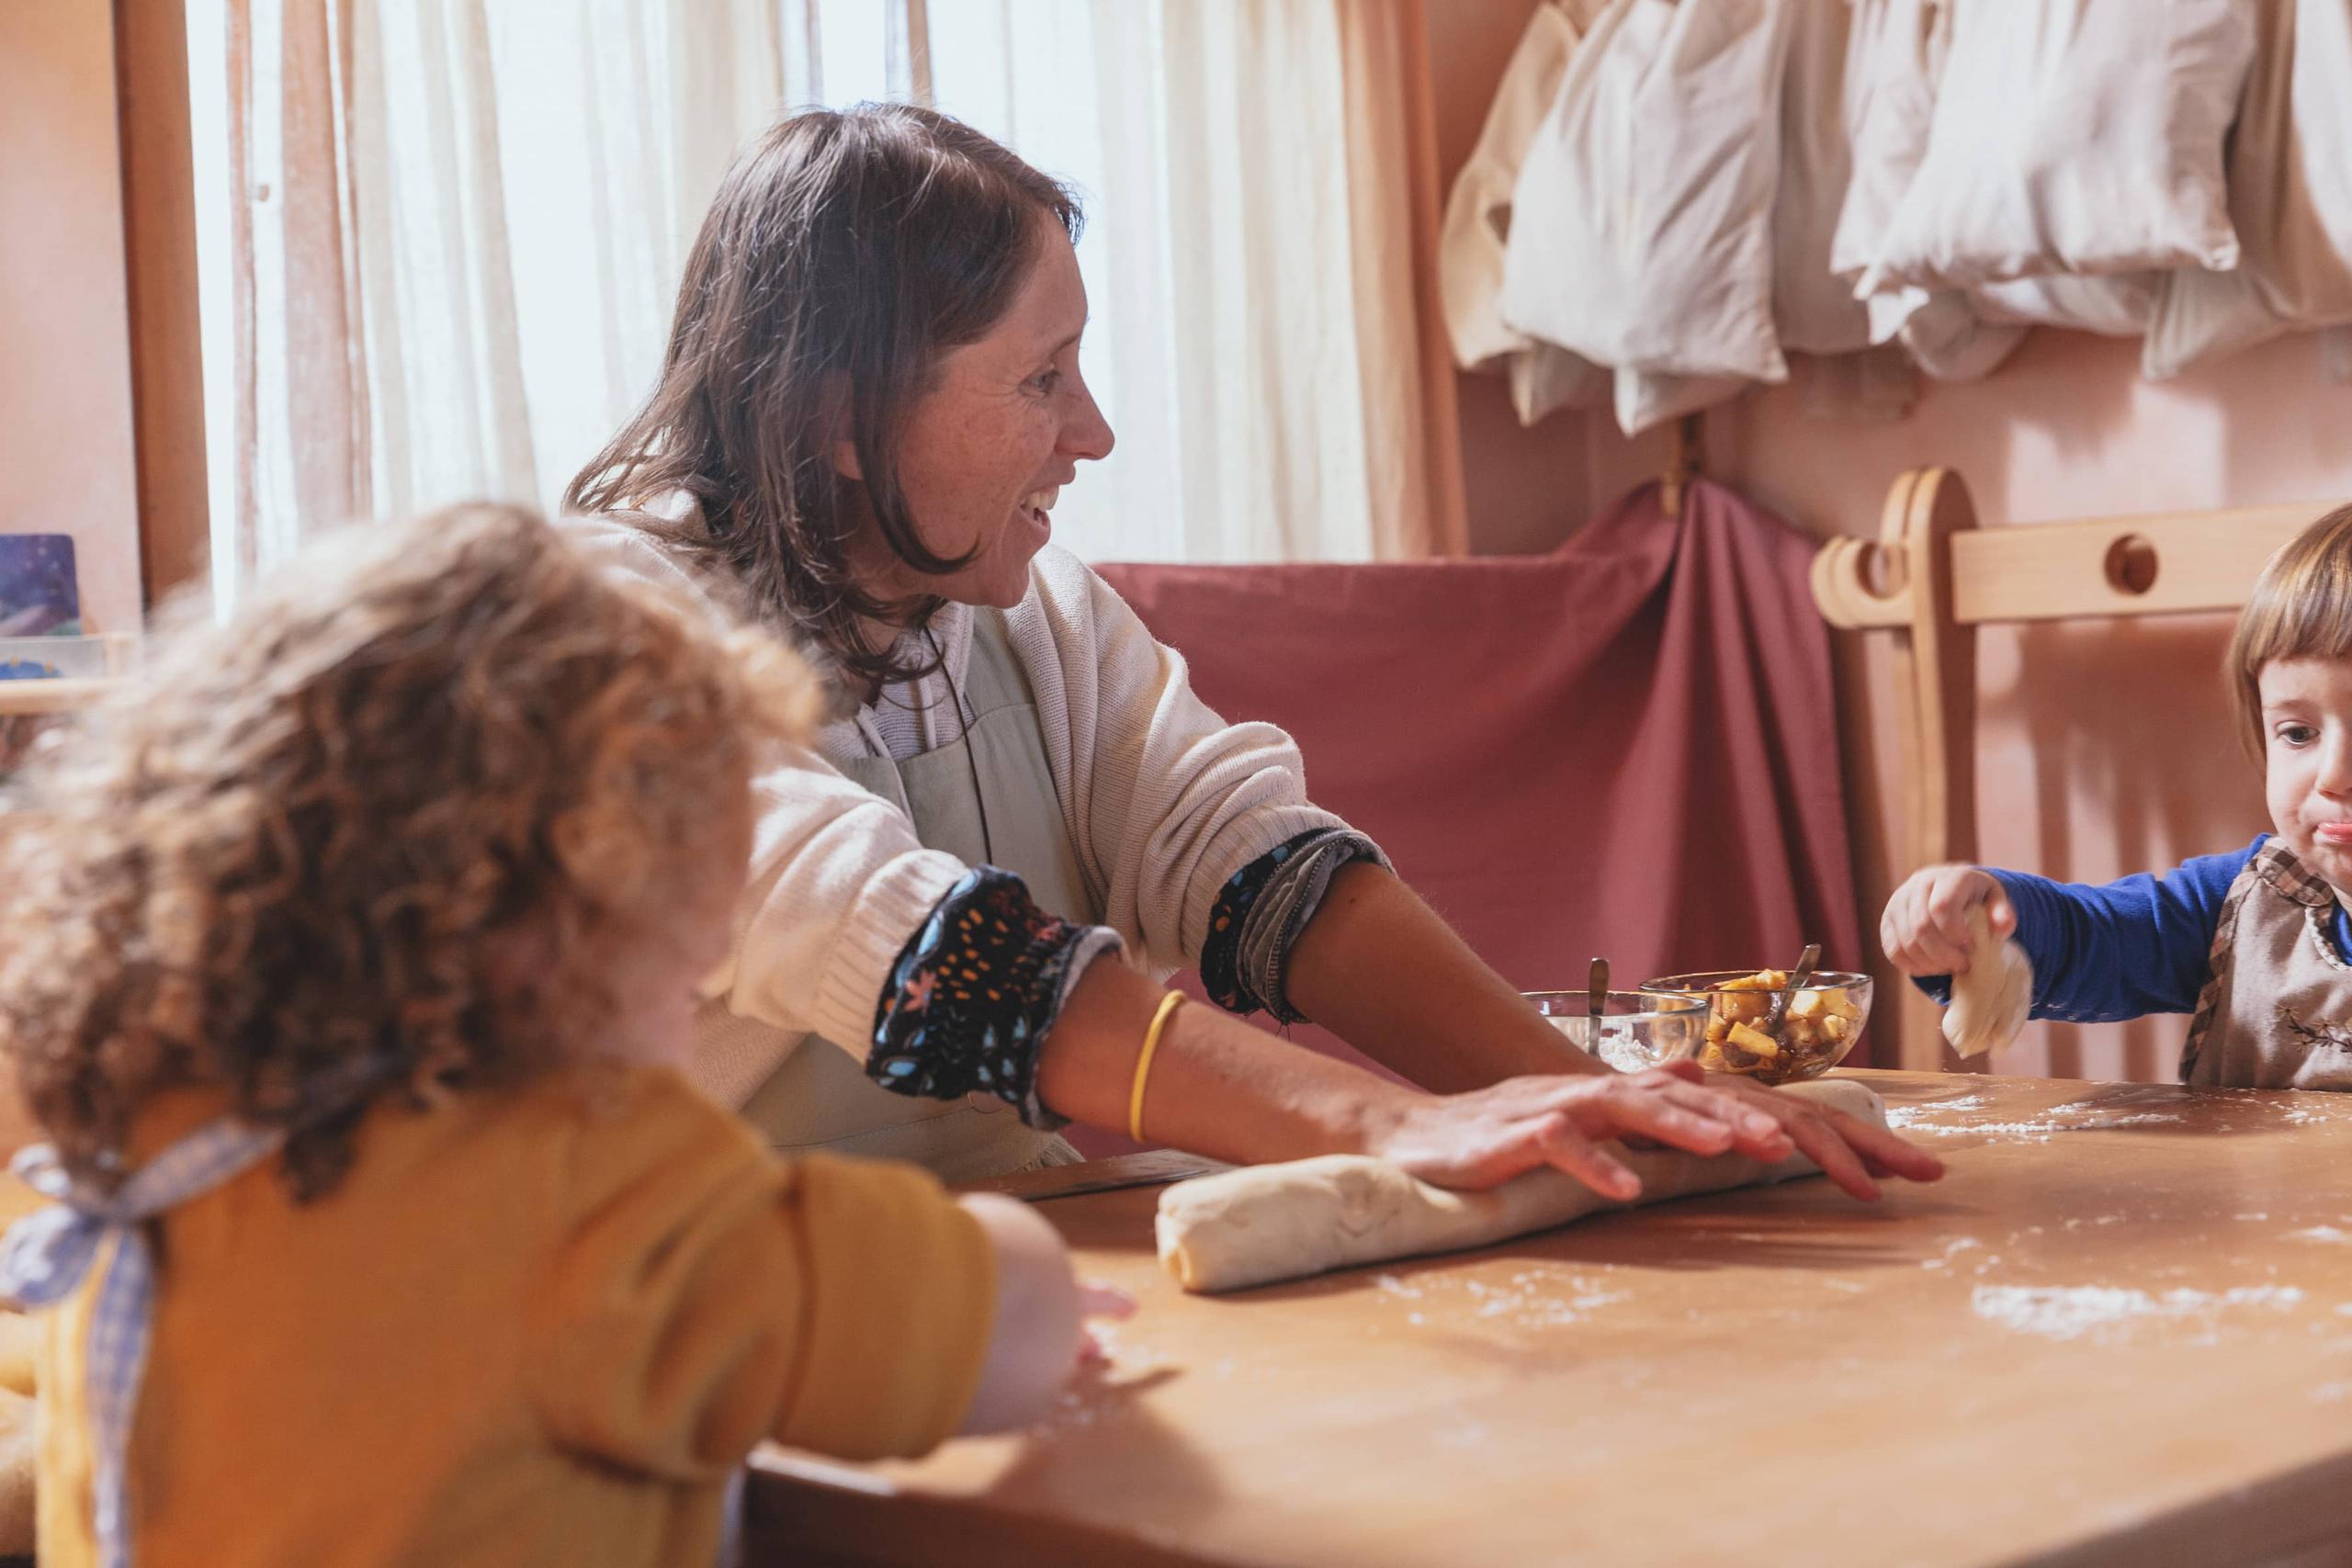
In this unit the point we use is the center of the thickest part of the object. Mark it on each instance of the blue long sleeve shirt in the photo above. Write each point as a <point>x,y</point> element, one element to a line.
<point>2140,945</point>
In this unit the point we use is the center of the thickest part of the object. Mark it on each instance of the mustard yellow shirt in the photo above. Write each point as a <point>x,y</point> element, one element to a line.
<point>539,1325</point>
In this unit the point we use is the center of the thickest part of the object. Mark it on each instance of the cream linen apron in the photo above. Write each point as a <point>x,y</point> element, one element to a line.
<point>820,1097</point>
<point>2278,1011</point>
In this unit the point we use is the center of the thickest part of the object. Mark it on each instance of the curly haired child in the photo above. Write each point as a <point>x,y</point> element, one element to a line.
<point>2255,943</point>
<point>348,960</point>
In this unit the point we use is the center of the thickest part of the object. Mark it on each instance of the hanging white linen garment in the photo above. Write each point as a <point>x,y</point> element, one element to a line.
<point>1645,400</point>
<point>1642,222</point>
<point>1895,52</point>
<point>1812,310</point>
<point>2122,305</point>
<point>2290,199</point>
<point>2073,136</point>
<point>1473,237</point>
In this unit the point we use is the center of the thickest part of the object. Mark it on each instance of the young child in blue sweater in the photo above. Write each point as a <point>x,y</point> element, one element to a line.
<point>2254,943</point>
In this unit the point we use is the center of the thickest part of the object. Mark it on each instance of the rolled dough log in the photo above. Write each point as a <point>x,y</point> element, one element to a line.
<point>1990,1001</point>
<point>1265,1223</point>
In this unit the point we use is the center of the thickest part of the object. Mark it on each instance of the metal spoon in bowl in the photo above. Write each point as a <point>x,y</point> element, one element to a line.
<point>1595,1007</point>
<point>1775,1018</point>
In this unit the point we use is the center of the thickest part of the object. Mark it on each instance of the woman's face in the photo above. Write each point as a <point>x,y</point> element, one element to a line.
<point>988,447</point>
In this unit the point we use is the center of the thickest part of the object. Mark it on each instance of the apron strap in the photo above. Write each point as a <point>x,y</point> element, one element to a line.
<point>45,1258</point>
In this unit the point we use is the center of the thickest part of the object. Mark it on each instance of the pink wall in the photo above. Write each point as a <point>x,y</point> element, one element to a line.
<point>2102,750</point>
<point>66,462</point>
<point>1525,489</point>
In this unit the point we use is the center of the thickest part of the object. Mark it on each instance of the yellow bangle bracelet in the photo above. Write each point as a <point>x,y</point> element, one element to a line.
<point>1168,1006</point>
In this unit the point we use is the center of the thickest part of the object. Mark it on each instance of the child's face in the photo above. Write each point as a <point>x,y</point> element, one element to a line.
<point>656,978</point>
<point>2307,759</point>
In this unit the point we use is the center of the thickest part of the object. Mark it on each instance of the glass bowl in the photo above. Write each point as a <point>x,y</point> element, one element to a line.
<point>1639,1029</point>
<point>1824,1021</point>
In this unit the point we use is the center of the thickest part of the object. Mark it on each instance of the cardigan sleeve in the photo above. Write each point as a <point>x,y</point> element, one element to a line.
<point>702,1294</point>
<point>1164,800</point>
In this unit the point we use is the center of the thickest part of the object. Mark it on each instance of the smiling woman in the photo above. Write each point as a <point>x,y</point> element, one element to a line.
<point>871,399</point>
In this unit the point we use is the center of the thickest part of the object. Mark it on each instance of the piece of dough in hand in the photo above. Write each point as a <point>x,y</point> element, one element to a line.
<point>1260,1223</point>
<point>1989,1003</point>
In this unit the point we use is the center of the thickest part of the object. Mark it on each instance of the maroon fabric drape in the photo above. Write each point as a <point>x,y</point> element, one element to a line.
<point>1628,747</point>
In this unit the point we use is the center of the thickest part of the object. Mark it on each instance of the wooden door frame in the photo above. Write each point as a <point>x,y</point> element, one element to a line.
<point>160,265</point>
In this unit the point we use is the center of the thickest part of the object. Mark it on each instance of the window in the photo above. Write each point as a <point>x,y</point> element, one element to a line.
<point>440,240</point>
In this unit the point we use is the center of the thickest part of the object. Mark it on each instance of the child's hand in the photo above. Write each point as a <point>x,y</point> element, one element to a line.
<point>1924,929</point>
<point>1098,1300</point>
<point>1039,1337</point>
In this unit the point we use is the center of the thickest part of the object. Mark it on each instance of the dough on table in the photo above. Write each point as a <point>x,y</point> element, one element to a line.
<point>1264,1223</point>
<point>1989,1003</point>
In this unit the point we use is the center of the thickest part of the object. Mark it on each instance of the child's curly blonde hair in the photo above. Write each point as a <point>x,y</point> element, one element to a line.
<point>370,836</point>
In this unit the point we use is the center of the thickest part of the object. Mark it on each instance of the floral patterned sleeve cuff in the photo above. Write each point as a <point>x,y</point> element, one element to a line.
<point>974,993</point>
<point>1260,911</point>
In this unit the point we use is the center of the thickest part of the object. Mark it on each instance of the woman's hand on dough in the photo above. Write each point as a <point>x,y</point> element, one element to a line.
<point>1484,1138</point>
<point>1849,1151</point>
<point>1924,929</point>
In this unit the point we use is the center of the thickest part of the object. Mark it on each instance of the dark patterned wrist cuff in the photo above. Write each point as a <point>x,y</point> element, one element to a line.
<point>973,994</point>
<point>1260,911</point>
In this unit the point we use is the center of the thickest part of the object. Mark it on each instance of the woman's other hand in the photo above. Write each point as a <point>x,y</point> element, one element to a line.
<point>1485,1137</point>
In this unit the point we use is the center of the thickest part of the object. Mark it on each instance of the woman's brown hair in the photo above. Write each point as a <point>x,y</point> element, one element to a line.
<point>844,253</point>
<point>2301,608</point>
<point>371,835</point>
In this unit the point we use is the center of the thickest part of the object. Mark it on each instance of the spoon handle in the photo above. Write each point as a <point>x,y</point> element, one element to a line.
<point>1788,993</point>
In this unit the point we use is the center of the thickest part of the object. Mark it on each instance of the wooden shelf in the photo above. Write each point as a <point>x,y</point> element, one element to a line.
<point>18,698</point>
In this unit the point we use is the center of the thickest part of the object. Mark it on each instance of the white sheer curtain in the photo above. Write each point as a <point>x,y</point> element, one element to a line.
<point>1263,380</point>
<point>458,225</point>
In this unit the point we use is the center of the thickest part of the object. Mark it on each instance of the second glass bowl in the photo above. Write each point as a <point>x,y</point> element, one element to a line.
<point>1637,1028</point>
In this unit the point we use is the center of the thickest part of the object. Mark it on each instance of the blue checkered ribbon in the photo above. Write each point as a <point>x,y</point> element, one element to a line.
<point>45,1257</point>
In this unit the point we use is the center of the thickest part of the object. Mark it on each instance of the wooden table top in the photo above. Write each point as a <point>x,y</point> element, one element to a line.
<point>2118,1331</point>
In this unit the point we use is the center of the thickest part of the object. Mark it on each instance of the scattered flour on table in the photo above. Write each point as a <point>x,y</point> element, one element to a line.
<point>2069,1311</point>
<point>2076,1116</point>
<point>1532,1298</point>
<point>1951,1249</point>
<point>1904,1115</point>
<point>2319,1233</point>
<point>1528,1304</point>
<point>1124,1357</point>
